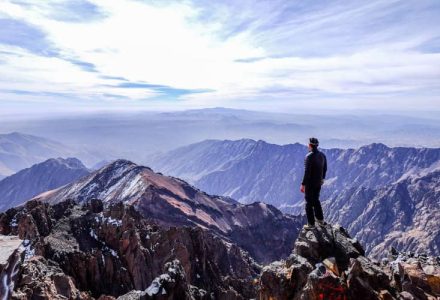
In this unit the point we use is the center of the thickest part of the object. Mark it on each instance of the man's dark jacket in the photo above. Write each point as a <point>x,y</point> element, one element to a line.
<point>315,168</point>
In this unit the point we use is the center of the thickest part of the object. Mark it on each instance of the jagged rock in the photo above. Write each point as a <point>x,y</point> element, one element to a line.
<point>414,274</point>
<point>80,252</point>
<point>282,280</point>
<point>39,279</point>
<point>327,241</point>
<point>406,296</point>
<point>323,284</point>
<point>354,276</point>
<point>171,284</point>
<point>365,278</point>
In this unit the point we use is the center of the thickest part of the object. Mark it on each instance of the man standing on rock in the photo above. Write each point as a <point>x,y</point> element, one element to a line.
<point>315,168</point>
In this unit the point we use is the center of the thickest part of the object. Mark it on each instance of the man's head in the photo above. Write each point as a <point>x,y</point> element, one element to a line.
<point>313,143</point>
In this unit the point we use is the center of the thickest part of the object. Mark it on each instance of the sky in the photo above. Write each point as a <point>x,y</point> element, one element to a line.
<point>86,55</point>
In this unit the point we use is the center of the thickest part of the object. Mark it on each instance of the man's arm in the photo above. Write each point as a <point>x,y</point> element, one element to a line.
<point>307,170</point>
<point>324,171</point>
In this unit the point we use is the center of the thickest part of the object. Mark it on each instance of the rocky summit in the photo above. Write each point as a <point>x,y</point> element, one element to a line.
<point>88,251</point>
<point>326,263</point>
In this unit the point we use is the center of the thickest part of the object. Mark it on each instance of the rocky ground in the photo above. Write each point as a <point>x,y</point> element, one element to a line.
<point>73,251</point>
<point>88,251</point>
<point>326,263</point>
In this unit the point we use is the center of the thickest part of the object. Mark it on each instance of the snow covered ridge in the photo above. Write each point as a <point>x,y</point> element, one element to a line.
<point>117,181</point>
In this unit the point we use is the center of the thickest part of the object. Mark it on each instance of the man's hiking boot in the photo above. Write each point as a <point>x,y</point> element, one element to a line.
<point>309,227</point>
<point>321,222</point>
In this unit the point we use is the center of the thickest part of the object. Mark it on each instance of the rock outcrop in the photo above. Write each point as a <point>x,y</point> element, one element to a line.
<point>87,251</point>
<point>326,263</point>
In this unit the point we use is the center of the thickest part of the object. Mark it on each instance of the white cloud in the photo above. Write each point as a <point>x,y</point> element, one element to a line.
<point>175,45</point>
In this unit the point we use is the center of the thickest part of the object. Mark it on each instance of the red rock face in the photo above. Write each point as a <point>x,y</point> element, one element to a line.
<point>86,251</point>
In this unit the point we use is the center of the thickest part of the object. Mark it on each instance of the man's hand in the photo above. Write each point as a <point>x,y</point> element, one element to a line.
<point>322,181</point>
<point>303,188</point>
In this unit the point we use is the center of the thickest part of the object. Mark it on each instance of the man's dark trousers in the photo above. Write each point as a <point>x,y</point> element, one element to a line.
<point>313,205</point>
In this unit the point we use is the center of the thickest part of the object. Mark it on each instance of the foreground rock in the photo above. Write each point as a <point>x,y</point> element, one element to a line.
<point>327,264</point>
<point>11,253</point>
<point>88,251</point>
<point>415,274</point>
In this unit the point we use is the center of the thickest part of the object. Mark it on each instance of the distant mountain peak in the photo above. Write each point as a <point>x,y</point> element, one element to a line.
<point>119,164</point>
<point>47,175</point>
<point>70,162</point>
<point>378,146</point>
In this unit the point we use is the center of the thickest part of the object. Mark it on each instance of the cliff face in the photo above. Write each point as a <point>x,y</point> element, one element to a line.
<point>86,251</point>
<point>260,229</point>
<point>404,214</point>
<point>326,263</point>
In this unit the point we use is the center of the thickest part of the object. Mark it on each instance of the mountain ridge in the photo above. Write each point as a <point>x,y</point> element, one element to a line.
<point>171,201</point>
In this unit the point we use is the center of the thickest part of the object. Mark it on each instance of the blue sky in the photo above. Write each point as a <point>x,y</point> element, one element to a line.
<point>262,55</point>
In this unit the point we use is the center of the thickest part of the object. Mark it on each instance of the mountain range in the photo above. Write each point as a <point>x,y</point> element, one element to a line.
<point>404,214</point>
<point>384,196</point>
<point>249,170</point>
<point>129,232</point>
<point>135,135</point>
